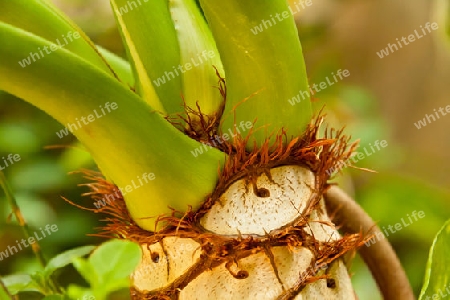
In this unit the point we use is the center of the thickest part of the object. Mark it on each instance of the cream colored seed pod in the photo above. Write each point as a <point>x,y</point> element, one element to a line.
<point>239,212</point>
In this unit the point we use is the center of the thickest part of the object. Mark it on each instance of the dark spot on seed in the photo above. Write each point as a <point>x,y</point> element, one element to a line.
<point>263,193</point>
<point>241,275</point>
<point>331,283</point>
<point>155,257</point>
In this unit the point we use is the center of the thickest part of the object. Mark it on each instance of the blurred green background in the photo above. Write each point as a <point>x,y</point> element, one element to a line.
<point>380,100</point>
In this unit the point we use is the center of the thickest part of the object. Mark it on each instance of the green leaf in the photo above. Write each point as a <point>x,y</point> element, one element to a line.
<point>20,283</point>
<point>75,158</point>
<point>198,56</point>
<point>80,293</point>
<point>46,285</point>
<point>87,270</point>
<point>66,258</point>
<point>108,268</point>
<point>151,42</point>
<point>120,66</point>
<point>128,140</point>
<point>115,260</point>
<point>437,276</point>
<point>263,66</point>
<point>43,19</point>
<point>441,13</point>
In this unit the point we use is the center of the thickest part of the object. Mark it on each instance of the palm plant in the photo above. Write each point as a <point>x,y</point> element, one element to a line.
<point>207,165</point>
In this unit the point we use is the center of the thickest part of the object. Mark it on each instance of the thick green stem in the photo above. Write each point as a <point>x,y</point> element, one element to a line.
<point>264,66</point>
<point>151,42</point>
<point>199,56</point>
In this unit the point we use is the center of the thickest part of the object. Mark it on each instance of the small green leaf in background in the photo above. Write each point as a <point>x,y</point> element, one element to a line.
<point>437,276</point>
<point>80,293</point>
<point>41,281</point>
<point>66,258</point>
<point>115,260</point>
<point>20,283</point>
<point>86,270</point>
<point>108,268</point>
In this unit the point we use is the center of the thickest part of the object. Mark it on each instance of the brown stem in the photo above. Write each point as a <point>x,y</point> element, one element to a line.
<point>379,257</point>
<point>20,219</point>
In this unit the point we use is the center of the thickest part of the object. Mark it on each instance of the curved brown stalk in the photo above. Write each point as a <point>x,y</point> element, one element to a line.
<point>379,257</point>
